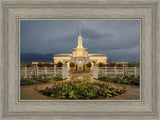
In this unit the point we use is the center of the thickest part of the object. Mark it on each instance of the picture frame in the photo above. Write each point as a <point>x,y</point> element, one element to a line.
<point>13,108</point>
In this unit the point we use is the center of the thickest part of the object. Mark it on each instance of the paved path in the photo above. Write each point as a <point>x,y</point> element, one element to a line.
<point>30,92</point>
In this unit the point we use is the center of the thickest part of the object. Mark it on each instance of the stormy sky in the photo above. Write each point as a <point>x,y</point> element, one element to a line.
<point>118,39</point>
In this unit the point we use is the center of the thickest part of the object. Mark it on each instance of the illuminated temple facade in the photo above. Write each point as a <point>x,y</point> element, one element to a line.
<point>80,56</point>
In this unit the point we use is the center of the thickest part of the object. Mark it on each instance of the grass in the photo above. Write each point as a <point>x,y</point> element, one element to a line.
<point>31,81</point>
<point>122,80</point>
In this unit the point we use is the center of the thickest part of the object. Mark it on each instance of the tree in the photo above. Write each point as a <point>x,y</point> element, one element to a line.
<point>101,65</point>
<point>109,61</point>
<point>47,64</point>
<point>59,64</point>
<point>111,64</point>
<point>119,65</point>
<point>138,64</point>
<point>72,64</point>
<point>28,65</point>
<point>132,64</point>
<point>52,65</point>
<point>22,65</point>
<point>40,64</point>
<point>89,64</point>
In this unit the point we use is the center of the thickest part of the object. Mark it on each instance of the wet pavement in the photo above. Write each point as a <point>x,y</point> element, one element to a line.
<point>30,92</point>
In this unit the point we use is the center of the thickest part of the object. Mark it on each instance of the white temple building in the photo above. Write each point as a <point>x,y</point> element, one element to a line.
<point>80,56</point>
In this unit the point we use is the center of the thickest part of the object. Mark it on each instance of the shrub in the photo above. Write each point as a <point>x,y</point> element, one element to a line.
<point>59,64</point>
<point>40,64</point>
<point>47,64</point>
<point>52,65</point>
<point>31,81</point>
<point>111,64</point>
<point>72,64</point>
<point>122,80</point>
<point>132,64</point>
<point>28,65</point>
<point>101,65</point>
<point>138,64</point>
<point>22,65</point>
<point>89,64</point>
<point>119,65</point>
<point>81,90</point>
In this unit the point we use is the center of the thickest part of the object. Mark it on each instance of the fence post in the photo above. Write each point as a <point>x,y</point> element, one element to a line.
<point>123,70</point>
<point>115,70</point>
<point>95,72</point>
<point>106,70</point>
<point>45,70</point>
<point>25,70</point>
<point>54,70</point>
<point>64,72</point>
<point>37,71</point>
<point>135,74</point>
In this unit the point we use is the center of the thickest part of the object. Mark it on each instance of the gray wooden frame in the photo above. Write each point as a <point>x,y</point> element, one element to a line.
<point>145,10</point>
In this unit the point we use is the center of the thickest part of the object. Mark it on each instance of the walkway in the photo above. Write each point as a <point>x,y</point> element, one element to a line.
<point>30,92</point>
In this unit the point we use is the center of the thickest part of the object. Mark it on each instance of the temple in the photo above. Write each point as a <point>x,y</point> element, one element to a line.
<point>80,56</point>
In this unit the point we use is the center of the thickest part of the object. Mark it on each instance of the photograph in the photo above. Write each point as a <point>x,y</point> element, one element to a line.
<point>80,59</point>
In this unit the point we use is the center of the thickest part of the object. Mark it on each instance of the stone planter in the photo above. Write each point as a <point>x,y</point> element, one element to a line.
<point>88,68</point>
<point>72,68</point>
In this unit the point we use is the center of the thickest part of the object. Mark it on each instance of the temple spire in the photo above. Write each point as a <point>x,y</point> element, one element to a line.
<point>79,30</point>
<point>80,39</point>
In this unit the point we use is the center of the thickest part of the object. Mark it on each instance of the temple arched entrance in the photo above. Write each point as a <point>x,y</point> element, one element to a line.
<point>80,64</point>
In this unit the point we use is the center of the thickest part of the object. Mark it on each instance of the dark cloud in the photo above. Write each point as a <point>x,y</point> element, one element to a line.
<point>111,37</point>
